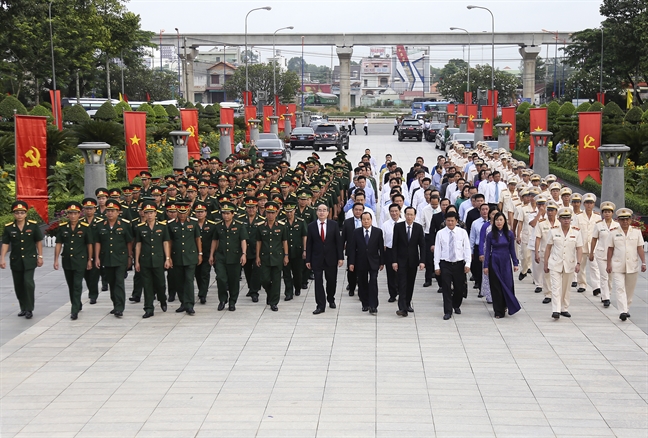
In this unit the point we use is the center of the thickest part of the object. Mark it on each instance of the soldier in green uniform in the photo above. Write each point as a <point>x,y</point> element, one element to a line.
<point>129,203</point>
<point>252,220</point>
<point>306,212</point>
<point>186,253</point>
<point>228,254</point>
<point>76,239</point>
<point>272,254</point>
<point>136,295</point>
<point>203,270</point>
<point>171,213</point>
<point>91,276</point>
<point>26,241</point>
<point>145,177</point>
<point>292,272</point>
<point>152,257</point>
<point>113,249</point>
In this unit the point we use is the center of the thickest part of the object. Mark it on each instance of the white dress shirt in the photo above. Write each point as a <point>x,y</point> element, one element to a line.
<point>462,250</point>
<point>388,231</point>
<point>349,214</point>
<point>424,216</point>
<point>490,191</point>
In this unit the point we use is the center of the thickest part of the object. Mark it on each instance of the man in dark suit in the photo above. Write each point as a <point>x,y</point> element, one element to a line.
<point>348,227</point>
<point>409,250</point>
<point>324,255</point>
<point>365,252</point>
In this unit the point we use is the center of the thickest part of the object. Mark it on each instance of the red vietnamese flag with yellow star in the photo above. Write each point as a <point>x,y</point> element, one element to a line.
<point>189,119</point>
<point>461,111</point>
<point>135,133</point>
<point>31,162</point>
<point>589,140</point>
<point>488,114</point>
<point>472,114</point>
<point>537,122</point>
<point>268,110</point>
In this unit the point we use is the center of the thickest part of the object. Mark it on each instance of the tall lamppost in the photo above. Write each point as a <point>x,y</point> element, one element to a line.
<point>55,103</point>
<point>178,56</point>
<point>468,81</point>
<point>493,45</point>
<point>274,67</point>
<point>555,58</point>
<point>161,32</point>
<point>267,8</point>
<point>601,78</point>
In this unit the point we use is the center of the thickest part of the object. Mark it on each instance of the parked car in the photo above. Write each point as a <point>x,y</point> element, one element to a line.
<point>273,151</point>
<point>267,136</point>
<point>430,134</point>
<point>410,128</point>
<point>304,136</point>
<point>327,135</point>
<point>440,138</point>
<point>465,138</point>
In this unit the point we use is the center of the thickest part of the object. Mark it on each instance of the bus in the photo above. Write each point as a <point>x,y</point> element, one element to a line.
<point>424,106</point>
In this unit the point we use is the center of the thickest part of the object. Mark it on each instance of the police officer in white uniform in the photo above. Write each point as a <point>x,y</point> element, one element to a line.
<point>598,250</point>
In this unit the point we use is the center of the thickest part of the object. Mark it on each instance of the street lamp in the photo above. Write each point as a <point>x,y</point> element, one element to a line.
<point>493,45</point>
<point>555,57</point>
<point>55,105</point>
<point>178,55</point>
<point>267,8</point>
<point>274,66</point>
<point>161,32</point>
<point>468,81</point>
<point>601,78</point>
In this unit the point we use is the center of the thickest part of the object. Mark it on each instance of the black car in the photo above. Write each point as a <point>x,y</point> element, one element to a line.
<point>302,137</point>
<point>327,134</point>
<point>410,128</point>
<point>431,133</point>
<point>272,151</point>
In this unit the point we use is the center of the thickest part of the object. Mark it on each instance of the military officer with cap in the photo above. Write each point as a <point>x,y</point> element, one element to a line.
<point>228,254</point>
<point>625,248</point>
<point>292,272</point>
<point>91,276</point>
<point>543,229</point>
<point>587,221</point>
<point>562,255</point>
<point>152,257</point>
<point>598,250</point>
<point>203,270</point>
<point>145,177</point>
<point>76,239</point>
<point>252,220</point>
<point>26,240</point>
<point>186,254</point>
<point>112,251</point>
<point>272,254</point>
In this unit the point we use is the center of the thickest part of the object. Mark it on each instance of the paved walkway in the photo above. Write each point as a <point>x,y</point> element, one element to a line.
<point>256,373</point>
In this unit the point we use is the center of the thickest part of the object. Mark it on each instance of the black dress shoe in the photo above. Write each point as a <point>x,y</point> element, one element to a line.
<point>364,309</point>
<point>457,311</point>
<point>479,295</point>
<point>447,316</point>
<point>351,293</point>
<point>304,285</point>
<point>401,313</point>
<point>555,315</point>
<point>565,314</point>
<point>606,303</point>
<point>628,315</point>
<point>104,288</point>
<point>373,310</point>
<point>596,292</point>
<point>347,287</point>
<point>112,312</point>
<point>74,316</point>
<point>391,299</point>
<point>409,309</point>
<point>623,317</point>
<point>288,298</point>
<point>255,298</point>
<point>163,306</point>
<point>297,293</point>
<point>221,306</point>
<point>93,301</point>
<point>547,300</point>
<point>203,300</point>
<point>332,305</point>
<point>231,307</point>
<point>133,300</point>
<point>538,290</point>
<point>521,276</point>
<point>180,309</point>
<point>439,291</point>
<point>22,313</point>
<point>147,315</point>
<point>190,312</point>
<point>171,299</point>
<point>580,290</point>
<point>471,278</point>
<point>274,308</point>
<point>118,314</point>
<point>311,276</point>
<point>475,286</point>
<point>318,311</point>
<point>427,284</point>
<point>574,284</point>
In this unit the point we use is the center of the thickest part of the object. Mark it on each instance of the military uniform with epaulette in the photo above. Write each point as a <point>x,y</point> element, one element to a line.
<point>184,253</point>
<point>151,261</point>
<point>91,276</point>
<point>77,250</point>
<point>138,285</point>
<point>292,272</point>
<point>251,270</point>
<point>227,259</point>
<point>272,256</point>
<point>114,255</point>
<point>203,270</point>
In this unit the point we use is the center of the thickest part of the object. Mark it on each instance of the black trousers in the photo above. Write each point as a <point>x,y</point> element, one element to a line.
<point>453,275</point>
<point>429,259</point>
<point>406,279</point>
<point>330,274</point>
<point>476,267</point>
<point>368,288</point>
<point>92,281</point>
<point>392,277</point>
<point>292,276</point>
<point>352,278</point>
<point>202,274</point>
<point>74,280</point>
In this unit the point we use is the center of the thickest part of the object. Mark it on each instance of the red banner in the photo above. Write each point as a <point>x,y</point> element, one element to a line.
<point>601,98</point>
<point>461,110</point>
<point>451,108</point>
<point>468,97</point>
<point>268,111</point>
<point>135,132</point>
<point>281,111</point>
<point>508,116</point>
<point>247,98</point>
<point>277,105</point>
<point>292,109</point>
<point>589,140</point>
<point>488,114</point>
<point>537,122</point>
<point>250,114</point>
<point>492,101</point>
<point>189,119</point>
<point>472,114</point>
<point>227,118</point>
<point>31,162</point>
<point>55,99</point>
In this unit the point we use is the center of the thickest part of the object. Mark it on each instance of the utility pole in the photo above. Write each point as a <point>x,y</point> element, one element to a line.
<point>184,65</point>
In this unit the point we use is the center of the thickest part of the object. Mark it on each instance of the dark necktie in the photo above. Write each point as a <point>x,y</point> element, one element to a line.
<point>367,237</point>
<point>409,232</point>
<point>322,232</point>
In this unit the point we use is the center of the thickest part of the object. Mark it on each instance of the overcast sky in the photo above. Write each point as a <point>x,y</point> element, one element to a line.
<point>349,16</point>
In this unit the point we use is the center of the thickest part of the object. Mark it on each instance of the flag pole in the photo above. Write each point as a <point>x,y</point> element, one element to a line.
<point>15,154</point>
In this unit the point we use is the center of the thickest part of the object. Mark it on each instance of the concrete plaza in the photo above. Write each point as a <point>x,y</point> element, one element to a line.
<point>257,373</point>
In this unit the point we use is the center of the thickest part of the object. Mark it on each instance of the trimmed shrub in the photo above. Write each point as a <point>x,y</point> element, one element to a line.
<point>160,113</point>
<point>75,114</point>
<point>106,112</point>
<point>40,110</point>
<point>596,106</point>
<point>150,112</point>
<point>583,107</point>
<point>172,111</point>
<point>633,116</point>
<point>9,104</point>
<point>121,107</point>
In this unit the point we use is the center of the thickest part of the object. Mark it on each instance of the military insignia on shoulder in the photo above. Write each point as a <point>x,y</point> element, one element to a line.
<point>84,224</point>
<point>171,220</point>
<point>126,221</point>
<point>576,228</point>
<point>62,224</point>
<point>162,222</point>
<point>32,222</point>
<point>281,222</point>
<point>193,219</point>
<point>211,222</point>
<point>9,224</point>
<point>598,222</point>
<point>141,225</point>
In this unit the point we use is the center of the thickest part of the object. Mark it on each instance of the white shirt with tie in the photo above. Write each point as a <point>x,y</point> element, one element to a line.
<point>494,192</point>
<point>388,231</point>
<point>462,250</point>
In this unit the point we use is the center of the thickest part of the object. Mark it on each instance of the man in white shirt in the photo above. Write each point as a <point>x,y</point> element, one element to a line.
<point>424,217</point>
<point>494,190</point>
<point>452,263</point>
<point>418,199</point>
<point>360,198</point>
<point>388,236</point>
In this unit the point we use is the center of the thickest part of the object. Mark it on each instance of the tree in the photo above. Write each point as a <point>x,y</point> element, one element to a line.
<point>320,73</point>
<point>8,105</point>
<point>75,114</point>
<point>261,80</point>
<point>139,80</point>
<point>106,112</point>
<point>452,85</point>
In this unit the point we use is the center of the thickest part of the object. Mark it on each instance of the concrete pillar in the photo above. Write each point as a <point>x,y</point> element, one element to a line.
<point>503,130</point>
<point>225,143</point>
<point>306,121</point>
<point>298,119</point>
<point>541,153</point>
<point>254,129</point>
<point>479,129</point>
<point>274,124</point>
<point>451,120</point>
<point>287,125</point>
<point>613,187</point>
<point>180,151</point>
<point>344,55</point>
<point>529,55</point>
<point>463,124</point>
<point>94,171</point>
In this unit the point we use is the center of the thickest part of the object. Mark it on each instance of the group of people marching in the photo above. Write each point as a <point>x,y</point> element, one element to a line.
<point>477,212</point>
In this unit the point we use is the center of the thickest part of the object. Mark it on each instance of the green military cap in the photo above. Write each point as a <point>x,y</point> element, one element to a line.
<point>101,191</point>
<point>113,205</point>
<point>250,201</point>
<point>73,206</point>
<point>227,207</point>
<point>183,207</point>
<point>304,194</point>
<point>89,203</point>
<point>19,206</point>
<point>148,206</point>
<point>272,207</point>
<point>199,206</point>
<point>289,206</point>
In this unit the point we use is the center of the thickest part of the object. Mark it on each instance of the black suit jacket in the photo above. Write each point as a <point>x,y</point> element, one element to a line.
<point>435,225</point>
<point>408,253</point>
<point>471,217</point>
<point>366,257</point>
<point>323,254</point>
<point>348,227</point>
